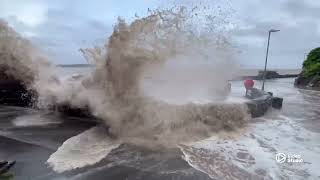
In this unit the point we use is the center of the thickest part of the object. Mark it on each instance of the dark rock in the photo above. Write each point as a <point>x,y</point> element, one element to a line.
<point>301,80</point>
<point>315,82</point>
<point>277,102</point>
<point>73,111</point>
<point>14,93</point>
<point>79,112</point>
<point>312,82</point>
<point>6,166</point>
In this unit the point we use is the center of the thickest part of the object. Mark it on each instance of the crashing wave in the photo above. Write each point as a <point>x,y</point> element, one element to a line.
<point>147,44</point>
<point>23,70</point>
<point>113,91</point>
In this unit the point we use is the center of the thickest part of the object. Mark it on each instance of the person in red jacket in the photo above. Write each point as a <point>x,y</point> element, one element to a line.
<point>248,84</point>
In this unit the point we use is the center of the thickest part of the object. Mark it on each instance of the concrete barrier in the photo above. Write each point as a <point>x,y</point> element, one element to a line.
<point>261,101</point>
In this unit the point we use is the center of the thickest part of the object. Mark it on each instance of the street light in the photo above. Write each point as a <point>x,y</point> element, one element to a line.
<point>265,64</point>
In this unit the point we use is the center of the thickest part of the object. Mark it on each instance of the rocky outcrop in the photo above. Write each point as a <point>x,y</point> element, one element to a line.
<point>5,166</point>
<point>310,75</point>
<point>14,93</point>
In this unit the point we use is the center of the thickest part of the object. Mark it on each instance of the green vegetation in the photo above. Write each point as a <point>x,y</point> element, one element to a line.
<point>6,176</point>
<point>311,66</point>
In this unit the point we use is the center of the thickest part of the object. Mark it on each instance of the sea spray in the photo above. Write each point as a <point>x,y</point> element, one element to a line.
<point>148,43</point>
<point>19,60</point>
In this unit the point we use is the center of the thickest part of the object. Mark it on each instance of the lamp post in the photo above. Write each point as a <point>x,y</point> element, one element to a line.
<point>265,64</point>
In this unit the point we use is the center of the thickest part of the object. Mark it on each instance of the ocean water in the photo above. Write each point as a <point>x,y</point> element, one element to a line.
<point>47,145</point>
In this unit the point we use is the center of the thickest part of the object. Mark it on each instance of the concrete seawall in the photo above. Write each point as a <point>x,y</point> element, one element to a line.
<point>13,93</point>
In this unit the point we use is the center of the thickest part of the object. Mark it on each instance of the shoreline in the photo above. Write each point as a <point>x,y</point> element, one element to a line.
<point>257,77</point>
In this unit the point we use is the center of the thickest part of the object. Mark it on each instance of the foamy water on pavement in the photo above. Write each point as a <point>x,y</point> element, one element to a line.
<point>294,130</point>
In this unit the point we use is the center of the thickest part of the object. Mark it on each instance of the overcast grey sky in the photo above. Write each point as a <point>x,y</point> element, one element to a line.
<point>61,27</point>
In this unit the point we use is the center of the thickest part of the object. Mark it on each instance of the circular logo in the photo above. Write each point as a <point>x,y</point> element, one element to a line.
<point>281,157</point>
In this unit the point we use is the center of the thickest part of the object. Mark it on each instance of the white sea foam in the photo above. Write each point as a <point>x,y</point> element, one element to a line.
<point>34,120</point>
<point>252,153</point>
<point>82,150</point>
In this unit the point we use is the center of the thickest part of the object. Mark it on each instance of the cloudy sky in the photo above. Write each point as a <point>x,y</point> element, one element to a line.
<point>61,27</point>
